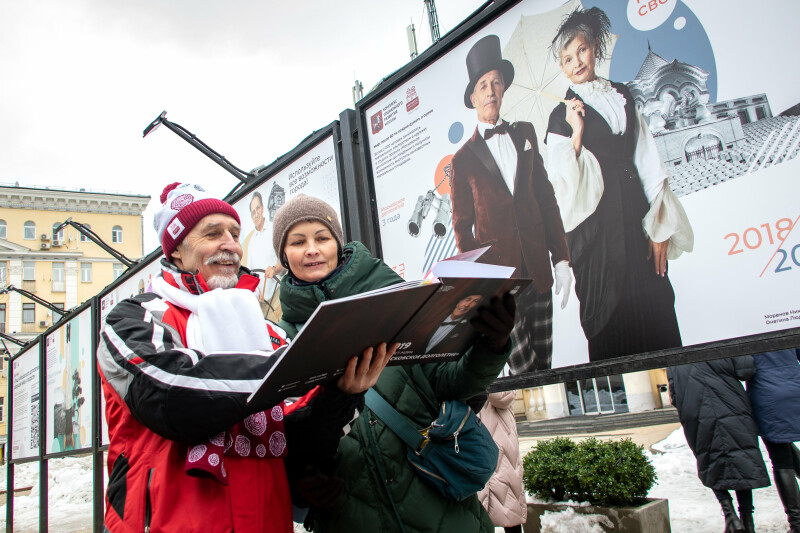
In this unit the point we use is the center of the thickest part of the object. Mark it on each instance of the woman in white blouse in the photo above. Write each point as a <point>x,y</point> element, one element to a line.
<point>622,220</point>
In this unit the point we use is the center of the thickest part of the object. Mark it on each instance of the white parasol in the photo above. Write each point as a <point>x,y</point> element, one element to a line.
<point>539,82</point>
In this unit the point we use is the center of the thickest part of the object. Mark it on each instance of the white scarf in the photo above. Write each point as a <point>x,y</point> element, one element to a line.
<point>222,320</point>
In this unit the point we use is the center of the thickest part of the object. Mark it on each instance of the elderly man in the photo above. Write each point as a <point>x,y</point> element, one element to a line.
<point>187,453</point>
<point>502,198</point>
<point>259,254</point>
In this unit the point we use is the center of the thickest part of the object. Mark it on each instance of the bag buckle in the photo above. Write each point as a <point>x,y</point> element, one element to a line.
<point>424,433</point>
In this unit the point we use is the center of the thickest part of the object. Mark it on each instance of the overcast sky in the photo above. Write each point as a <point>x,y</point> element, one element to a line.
<point>81,79</point>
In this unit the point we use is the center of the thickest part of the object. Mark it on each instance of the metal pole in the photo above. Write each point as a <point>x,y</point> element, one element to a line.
<point>192,139</point>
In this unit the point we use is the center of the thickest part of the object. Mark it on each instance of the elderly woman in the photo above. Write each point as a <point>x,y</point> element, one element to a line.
<point>381,491</point>
<point>621,218</point>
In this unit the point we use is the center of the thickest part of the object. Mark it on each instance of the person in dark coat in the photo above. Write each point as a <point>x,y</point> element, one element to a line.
<point>720,429</point>
<point>774,391</point>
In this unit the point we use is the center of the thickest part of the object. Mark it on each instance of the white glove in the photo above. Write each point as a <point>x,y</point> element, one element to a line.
<point>563,280</point>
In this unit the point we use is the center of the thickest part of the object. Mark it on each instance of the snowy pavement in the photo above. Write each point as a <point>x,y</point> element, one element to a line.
<point>692,507</point>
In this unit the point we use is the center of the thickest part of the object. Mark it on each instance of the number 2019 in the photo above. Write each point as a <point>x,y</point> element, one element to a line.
<point>795,253</point>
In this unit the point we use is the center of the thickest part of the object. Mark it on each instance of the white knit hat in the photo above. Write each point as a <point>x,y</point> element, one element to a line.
<point>182,206</point>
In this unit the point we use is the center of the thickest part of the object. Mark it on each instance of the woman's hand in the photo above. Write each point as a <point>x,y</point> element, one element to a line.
<point>575,114</point>
<point>658,251</point>
<point>361,375</point>
<point>496,321</point>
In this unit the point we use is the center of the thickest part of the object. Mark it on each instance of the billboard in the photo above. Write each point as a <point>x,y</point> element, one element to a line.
<point>68,393</point>
<point>314,173</point>
<point>711,254</point>
<point>136,281</point>
<point>25,396</point>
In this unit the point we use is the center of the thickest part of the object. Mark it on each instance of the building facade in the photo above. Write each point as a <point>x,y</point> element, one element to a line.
<point>634,392</point>
<point>64,268</point>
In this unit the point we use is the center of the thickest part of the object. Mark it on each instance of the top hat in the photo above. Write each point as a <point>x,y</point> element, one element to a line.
<point>483,57</point>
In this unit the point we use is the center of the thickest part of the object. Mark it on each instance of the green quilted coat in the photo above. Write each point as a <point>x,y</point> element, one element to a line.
<point>415,391</point>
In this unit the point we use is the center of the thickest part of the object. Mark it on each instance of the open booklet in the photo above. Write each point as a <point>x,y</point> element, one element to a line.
<point>430,319</point>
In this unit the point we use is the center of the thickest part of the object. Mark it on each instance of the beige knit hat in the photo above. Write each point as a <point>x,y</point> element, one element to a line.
<point>303,208</point>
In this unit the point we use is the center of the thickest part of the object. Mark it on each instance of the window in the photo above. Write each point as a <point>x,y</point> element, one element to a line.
<point>116,234</point>
<point>28,313</point>
<point>119,268</point>
<point>86,272</point>
<point>3,274</point>
<point>83,237</point>
<point>28,271</point>
<point>2,318</point>
<point>56,316</point>
<point>58,235</point>
<point>2,229</point>
<point>29,230</point>
<point>1,408</point>
<point>58,277</point>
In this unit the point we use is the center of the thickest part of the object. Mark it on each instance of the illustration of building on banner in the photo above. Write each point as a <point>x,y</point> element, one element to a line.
<point>704,143</point>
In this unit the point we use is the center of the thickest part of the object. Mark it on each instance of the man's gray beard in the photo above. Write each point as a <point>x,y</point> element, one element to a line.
<point>222,282</point>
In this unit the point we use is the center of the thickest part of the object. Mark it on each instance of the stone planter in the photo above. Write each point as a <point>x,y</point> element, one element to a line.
<point>651,517</point>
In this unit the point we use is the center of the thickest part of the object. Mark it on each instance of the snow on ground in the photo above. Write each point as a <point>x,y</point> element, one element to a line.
<point>692,507</point>
<point>69,496</point>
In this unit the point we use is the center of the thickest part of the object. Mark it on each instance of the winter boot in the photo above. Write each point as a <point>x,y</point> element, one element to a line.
<point>732,522</point>
<point>746,516</point>
<point>790,496</point>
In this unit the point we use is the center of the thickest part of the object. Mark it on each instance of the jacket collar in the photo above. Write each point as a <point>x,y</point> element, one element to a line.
<point>193,283</point>
<point>360,273</point>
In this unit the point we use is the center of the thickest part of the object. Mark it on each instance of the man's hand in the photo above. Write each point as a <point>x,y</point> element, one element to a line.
<point>496,321</point>
<point>563,281</point>
<point>658,251</point>
<point>361,375</point>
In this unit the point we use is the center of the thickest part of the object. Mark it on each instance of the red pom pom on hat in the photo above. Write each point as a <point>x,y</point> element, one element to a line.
<point>168,188</point>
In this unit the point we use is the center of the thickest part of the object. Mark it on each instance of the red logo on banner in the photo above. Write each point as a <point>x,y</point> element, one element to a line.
<point>412,100</point>
<point>377,122</point>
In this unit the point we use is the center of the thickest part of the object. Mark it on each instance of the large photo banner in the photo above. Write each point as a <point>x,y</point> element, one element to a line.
<point>68,362</point>
<point>637,160</point>
<point>313,173</point>
<point>25,395</point>
<point>139,282</point>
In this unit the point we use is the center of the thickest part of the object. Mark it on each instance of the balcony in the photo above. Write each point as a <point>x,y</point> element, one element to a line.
<point>58,286</point>
<point>29,285</point>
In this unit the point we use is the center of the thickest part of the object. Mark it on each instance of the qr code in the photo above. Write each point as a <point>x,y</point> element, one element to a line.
<point>34,425</point>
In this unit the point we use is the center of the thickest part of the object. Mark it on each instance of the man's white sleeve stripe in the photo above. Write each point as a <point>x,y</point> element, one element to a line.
<point>187,382</point>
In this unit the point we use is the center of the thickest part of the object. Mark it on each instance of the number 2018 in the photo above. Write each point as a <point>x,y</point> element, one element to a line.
<point>752,238</point>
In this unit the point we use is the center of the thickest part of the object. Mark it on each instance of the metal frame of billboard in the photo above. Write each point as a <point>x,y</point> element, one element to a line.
<point>11,462</point>
<point>746,345</point>
<point>42,457</point>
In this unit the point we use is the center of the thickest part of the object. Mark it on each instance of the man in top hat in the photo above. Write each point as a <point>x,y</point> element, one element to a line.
<point>502,198</point>
<point>187,453</point>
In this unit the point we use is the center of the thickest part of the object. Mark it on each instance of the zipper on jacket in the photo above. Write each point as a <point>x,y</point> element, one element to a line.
<point>148,509</point>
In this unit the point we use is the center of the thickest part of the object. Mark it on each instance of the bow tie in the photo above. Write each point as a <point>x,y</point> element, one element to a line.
<point>502,129</point>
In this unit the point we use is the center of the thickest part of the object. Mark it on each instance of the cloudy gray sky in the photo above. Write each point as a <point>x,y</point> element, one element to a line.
<point>81,79</point>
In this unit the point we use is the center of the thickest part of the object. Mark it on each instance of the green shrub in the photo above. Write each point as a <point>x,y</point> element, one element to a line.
<point>548,469</point>
<point>607,472</point>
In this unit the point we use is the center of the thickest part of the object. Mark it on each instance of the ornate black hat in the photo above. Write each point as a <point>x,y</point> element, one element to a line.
<point>485,56</point>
